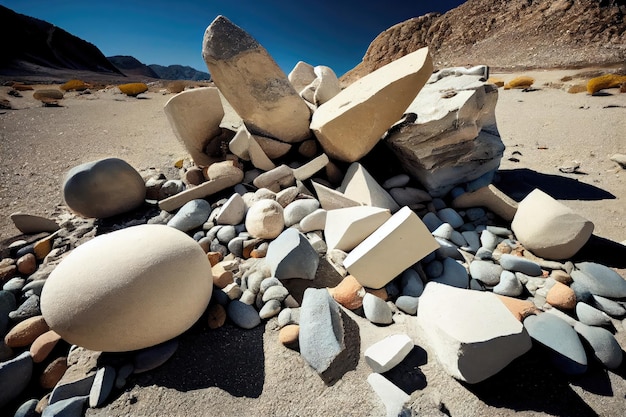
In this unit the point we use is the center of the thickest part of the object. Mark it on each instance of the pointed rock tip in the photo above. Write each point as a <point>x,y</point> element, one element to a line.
<point>223,40</point>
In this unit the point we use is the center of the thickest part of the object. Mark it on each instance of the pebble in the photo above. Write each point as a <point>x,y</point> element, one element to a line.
<point>450,215</point>
<point>14,285</point>
<point>409,196</point>
<point>444,231</point>
<point>387,353</point>
<point>243,315</point>
<point>29,308</point>
<point>15,375</point>
<point>603,343</point>
<point>43,345</point>
<point>472,239</point>
<point>519,264</point>
<point>27,264</point>
<point>561,296</point>
<point>102,386</point>
<point>53,373</point>
<point>275,292</point>
<point>236,246</point>
<point>376,310</point>
<point>408,304</point>
<point>288,315</point>
<point>433,269</point>
<point>27,409</point>
<point>509,285</point>
<point>600,280</point>
<point>298,210</point>
<point>191,215</point>
<point>76,388</point>
<point>313,221</point>
<point>233,211</point>
<point>270,309</point>
<point>349,293</point>
<point>400,180</point>
<point>25,332</point>
<point>289,336</point>
<point>475,213</point>
<point>225,234</point>
<point>265,219</point>
<point>291,255</point>
<point>216,315</point>
<point>610,307</point>
<point>454,274</point>
<point>431,221</point>
<point>591,316</point>
<point>123,373</point>
<point>561,276</point>
<point>151,358</point>
<point>486,272</point>
<point>488,240</point>
<point>69,407</point>
<point>411,283</point>
<point>287,196</point>
<point>267,283</point>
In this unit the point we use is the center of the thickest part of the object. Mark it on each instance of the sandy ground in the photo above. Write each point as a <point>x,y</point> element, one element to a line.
<point>233,372</point>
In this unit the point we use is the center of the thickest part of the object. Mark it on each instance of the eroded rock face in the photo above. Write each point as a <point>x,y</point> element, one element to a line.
<point>146,284</point>
<point>449,135</point>
<point>253,83</point>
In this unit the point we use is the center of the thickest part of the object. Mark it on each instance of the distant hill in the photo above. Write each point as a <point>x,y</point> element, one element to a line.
<point>508,34</point>
<point>33,46</point>
<point>179,72</point>
<point>132,66</point>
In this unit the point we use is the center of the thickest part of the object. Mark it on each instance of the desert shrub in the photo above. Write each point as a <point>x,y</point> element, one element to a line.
<point>48,95</point>
<point>21,86</point>
<point>498,82</point>
<point>519,82</point>
<point>567,78</point>
<point>133,89</point>
<point>77,85</point>
<point>578,88</point>
<point>605,81</point>
<point>177,86</point>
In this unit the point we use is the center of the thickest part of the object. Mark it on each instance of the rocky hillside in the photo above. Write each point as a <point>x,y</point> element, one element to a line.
<point>508,34</point>
<point>132,66</point>
<point>43,46</point>
<point>179,72</point>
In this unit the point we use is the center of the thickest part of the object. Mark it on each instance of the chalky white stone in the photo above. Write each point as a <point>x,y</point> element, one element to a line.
<point>347,227</point>
<point>389,352</point>
<point>472,333</point>
<point>103,188</point>
<point>128,289</point>
<point>265,219</point>
<point>359,185</point>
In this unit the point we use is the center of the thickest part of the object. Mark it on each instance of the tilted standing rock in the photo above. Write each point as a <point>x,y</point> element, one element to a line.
<point>253,83</point>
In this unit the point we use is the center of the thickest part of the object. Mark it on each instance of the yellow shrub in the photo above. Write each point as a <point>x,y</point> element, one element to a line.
<point>605,81</point>
<point>133,89</point>
<point>177,86</point>
<point>498,82</point>
<point>519,82</point>
<point>578,88</point>
<point>48,95</point>
<point>77,85</point>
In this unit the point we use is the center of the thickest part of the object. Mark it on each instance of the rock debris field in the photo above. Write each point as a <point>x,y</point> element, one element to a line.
<point>277,220</point>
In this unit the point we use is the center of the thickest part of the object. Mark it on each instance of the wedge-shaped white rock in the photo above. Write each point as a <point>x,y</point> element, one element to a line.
<point>245,146</point>
<point>391,395</point>
<point>548,228</point>
<point>472,333</point>
<point>253,83</point>
<point>346,228</point>
<point>301,75</point>
<point>195,116</point>
<point>350,124</point>
<point>332,199</point>
<point>328,84</point>
<point>399,243</point>
<point>389,352</point>
<point>359,185</point>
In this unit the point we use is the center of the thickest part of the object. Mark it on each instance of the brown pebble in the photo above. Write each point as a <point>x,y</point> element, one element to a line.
<point>349,293</point>
<point>561,276</point>
<point>214,257</point>
<point>7,269</point>
<point>53,373</point>
<point>221,276</point>
<point>380,293</point>
<point>43,247</point>
<point>43,345</point>
<point>561,296</point>
<point>520,308</point>
<point>193,176</point>
<point>25,332</point>
<point>27,264</point>
<point>217,316</point>
<point>260,251</point>
<point>308,148</point>
<point>289,335</point>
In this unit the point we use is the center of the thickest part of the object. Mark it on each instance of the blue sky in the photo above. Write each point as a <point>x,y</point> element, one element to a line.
<point>334,33</point>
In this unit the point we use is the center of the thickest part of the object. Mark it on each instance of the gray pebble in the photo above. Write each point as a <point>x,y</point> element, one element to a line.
<point>399,180</point>
<point>472,239</point>
<point>408,304</point>
<point>69,407</point>
<point>29,308</point>
<point>15,375</point>
<point>155,356</point>
<point>376,310</point>
<point>433,269</point>
<point>488,240</point>
<point>474,213</point>
<point>454,274</point>
<point>191,215</point>
<point>102,386</point>
<point>411,283</point>
<point>270,309</point>
<point>444,231</point>
<point>226,234</point>
<point>275,292</point>
<point>431,221</point>
<point>591,316</point>
<point>603,343</point>
<point>519,264</point>
<point>269,282</point>
<point>509,285</point>
<point>288,316</point>
<point>610,307</point>
<point>14,285</point>
<point>243,315</point>
<point>123,373</point>
<point>500,231</point>
<point>484,254</point>
<point>27,409</point>
<point>449,215</point>
<point>486,272</point>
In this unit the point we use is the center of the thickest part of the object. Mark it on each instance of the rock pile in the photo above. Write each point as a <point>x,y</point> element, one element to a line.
<point>276,219</point>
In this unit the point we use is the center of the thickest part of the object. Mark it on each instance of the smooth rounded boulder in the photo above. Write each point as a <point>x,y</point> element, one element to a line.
<point>129,289</point>
<point>103,188</point>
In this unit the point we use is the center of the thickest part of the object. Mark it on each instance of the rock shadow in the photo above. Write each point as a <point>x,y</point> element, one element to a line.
<point>603,251</point>
<point>407,375</point>
<point>348,359</point>
<point>530,383</point>
<point>229,358</point>
<point>325,277</point>
<point>518,183</point>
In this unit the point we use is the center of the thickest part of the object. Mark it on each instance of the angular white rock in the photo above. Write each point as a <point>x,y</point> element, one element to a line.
<point>347,227</point>
<point>392,396</point>
<point>359,185</point>
<point>389,352</point>
<point>399,243</point>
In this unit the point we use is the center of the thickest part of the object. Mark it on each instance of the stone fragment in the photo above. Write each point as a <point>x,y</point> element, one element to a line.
<point>520,308</point>
<point>273,148</point>
<point>103,188</point>
<point>347,227</point>
<point>386,253</point>
<point>359,185</point>
<point>233,211</point>
<point>349,293</point>
<point>389,352</point>
<point>102,386</point>
<point>327,86</point>
<point>289,336</point>
<point>77,387</point>
<point>309,169</point>
<point>243,315</point>
<point>557,335</point>
<point>15,374</point>
<point>600,280</point>
<point>201,191</point>
<point>548,228</point>
<point>332,199</point>
<point>246,146</point>
<point>147,284</point>
<point>314,221</point>
<point>472,333</point>
<point>43,345</point>
<point>265,219</point>
<point>30,224</point>
<point>392,397</point>
<point>191,216</point>
<point>253,83</point>
<point>321,336</point>
<point>291,255</point>
<point>561,296</point>
<point>195,116</point>
<point>376,310</point>
<point>301,75</point>
<point>275,179</point>
<point>344,125</point>
<point>298,210</point>
<point>591,316</point>
<point>603,343</point>
<point>453,140</point>
<point>25,332</point>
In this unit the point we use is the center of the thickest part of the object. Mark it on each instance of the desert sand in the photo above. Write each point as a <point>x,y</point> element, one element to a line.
<point>229,371</point>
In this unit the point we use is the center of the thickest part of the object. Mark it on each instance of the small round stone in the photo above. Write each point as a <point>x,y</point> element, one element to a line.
<point>216,316</point>
<point>349,293</point>
<point>265,219</point>
<point>376,310</point>
<point>27,264</point>
<point>270,309</point>
<point>561,296</point>
<point>289,336</point>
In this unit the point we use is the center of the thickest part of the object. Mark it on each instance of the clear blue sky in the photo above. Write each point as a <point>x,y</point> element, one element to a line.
<point>334,33</point>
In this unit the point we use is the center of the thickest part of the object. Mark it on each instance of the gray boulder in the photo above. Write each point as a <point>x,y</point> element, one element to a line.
<point>291,255</point>
<point>15,375</point>
<point>600,280</point>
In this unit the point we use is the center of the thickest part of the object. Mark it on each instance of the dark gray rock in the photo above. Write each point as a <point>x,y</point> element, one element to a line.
<point>486,272</point>
<point>29,308</point>
<point>411,283</point>
<point>27,409</point>
<point>600,280</point>
<point>102,386</point>
<point>603,343</point>
<point>454,274</point>
<point>69,407</point>
<point>77,388</point>
<point>191,215</point>
<point>291,255</point>
<point>151,358</point>
<point>518,264</point>
<point>7,304</point>
<point>243,315</point>
<point>15,375</point>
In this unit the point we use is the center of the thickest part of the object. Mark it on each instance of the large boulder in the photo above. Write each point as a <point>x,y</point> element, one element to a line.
<point>103,188</point>
<point>472,333</point>
<point>350,124</point>
<point>195,116</point>
<point>253,83</point>
<point>449,135</point>
<point>550,229</point>
<point>128,289</point>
